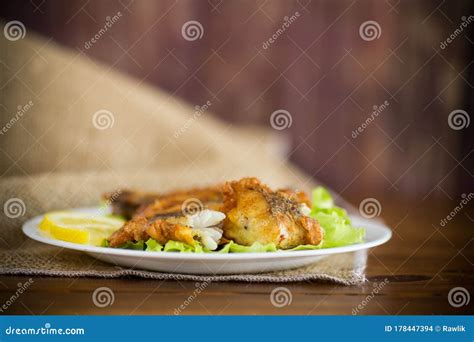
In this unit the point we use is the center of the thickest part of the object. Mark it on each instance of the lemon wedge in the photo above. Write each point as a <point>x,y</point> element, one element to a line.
<point>79,227</point>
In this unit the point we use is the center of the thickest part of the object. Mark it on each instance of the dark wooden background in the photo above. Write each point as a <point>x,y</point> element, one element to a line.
<point>320,70</point>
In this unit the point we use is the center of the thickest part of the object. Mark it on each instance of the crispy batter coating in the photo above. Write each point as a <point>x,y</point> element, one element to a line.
<point>134,230</point>
<point>296,195</point>
<point>161,226</point>
<point>163,231</point>
<point>256,213</point>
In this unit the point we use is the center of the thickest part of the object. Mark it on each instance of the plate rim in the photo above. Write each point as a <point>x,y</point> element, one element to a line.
<point>31,229</point>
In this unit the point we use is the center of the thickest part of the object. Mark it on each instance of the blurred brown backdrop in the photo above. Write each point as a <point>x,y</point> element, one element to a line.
<point>319,69</point>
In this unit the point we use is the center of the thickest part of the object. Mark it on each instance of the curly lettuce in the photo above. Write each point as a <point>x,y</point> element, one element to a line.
<point>337,227</point>
<point>256,247</point>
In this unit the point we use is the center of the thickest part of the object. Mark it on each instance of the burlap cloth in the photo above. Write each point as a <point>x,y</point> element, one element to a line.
<point>54,157</point>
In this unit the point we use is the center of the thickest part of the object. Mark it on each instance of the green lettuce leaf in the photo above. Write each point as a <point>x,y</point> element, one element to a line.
<point>322,199</point>
<point>305,247</point>
<point>139,245</point>
<point>225,248</point>
<point>153,246</point>
<point>256,247</point>
<point>177,246</point>
<point>337,227</point>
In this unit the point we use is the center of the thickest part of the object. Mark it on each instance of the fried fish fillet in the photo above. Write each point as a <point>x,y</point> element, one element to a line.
<point>162,229</point>
<point>251,212</point>
<point>127,203</point>
<point>256,213</point>
<point>166,220</point>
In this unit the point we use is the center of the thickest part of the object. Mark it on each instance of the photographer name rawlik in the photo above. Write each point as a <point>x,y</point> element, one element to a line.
<point>425,328</point>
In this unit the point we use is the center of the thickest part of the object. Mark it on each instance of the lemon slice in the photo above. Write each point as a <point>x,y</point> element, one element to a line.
<point>82,228</point>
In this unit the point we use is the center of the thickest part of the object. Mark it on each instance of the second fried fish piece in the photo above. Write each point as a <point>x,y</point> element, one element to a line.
<point>163,223</point>
<point>128,203</point>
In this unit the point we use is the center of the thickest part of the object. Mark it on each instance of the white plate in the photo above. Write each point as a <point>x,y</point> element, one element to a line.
<point>211,263</point>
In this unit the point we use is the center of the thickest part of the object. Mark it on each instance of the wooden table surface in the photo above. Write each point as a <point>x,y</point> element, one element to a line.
<point>419,266</point>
